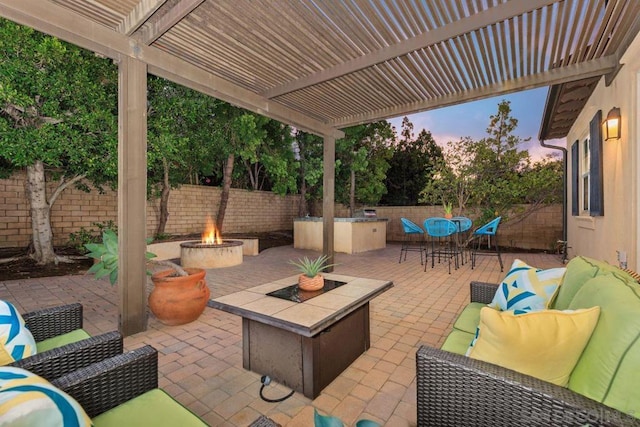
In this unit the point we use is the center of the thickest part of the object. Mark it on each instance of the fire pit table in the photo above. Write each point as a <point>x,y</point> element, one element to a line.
<point>304,340</point>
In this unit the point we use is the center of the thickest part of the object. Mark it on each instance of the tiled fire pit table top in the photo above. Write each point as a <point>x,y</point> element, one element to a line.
<point>307,342</point>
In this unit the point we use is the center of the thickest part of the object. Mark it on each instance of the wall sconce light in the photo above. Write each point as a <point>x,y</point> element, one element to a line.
<point>612,124</point>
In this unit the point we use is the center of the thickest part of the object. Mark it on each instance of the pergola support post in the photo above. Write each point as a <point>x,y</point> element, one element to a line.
<point>328,197</point>
<point>132,191</point>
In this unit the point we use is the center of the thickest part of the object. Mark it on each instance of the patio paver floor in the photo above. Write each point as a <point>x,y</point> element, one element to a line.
<point>200,363</point>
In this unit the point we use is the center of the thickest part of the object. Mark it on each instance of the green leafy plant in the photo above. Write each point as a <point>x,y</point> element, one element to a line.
<point>83,236</point>
<point>106,253</point>
<point>163,236</point>
<point>311,267</point>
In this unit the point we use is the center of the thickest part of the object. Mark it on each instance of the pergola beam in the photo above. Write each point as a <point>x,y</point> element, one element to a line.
<point>474,22</point>
<point>139,15</point>
<point>593,68</point>
<point>168,20</point>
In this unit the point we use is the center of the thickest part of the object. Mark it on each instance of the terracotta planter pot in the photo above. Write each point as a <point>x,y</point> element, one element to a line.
<point>448,216</point>
<point>176,300</point>
<point>307,283</point>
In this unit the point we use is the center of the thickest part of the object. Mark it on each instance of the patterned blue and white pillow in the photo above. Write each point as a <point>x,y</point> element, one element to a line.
<point>16,341</point>
<point>29,400</point>
<point>527,288</point>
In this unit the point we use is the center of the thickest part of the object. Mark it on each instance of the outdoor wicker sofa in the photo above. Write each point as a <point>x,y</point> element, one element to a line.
<point>67,346</point>
<point>455,390</point>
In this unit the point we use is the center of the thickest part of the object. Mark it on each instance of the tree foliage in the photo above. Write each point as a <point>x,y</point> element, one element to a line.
<point>273,165</point>
<point>360,165</point>
<point>308,149</point>
<point>411,166</point>
<point>58,119</point>
<point>362,162</point>
<point>178,134</point>
<point>493,174</point>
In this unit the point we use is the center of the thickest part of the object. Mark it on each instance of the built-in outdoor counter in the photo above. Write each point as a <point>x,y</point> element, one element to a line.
<point>351,235</point>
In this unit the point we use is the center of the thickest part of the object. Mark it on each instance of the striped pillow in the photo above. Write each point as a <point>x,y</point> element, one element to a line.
<point>527,288</point>
<point>29,400</point>
<point>16,342</point>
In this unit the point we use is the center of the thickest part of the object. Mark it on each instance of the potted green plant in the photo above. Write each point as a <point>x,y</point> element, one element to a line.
<point>448,209</point>
<point>179,294</point>
<point>311,279</point>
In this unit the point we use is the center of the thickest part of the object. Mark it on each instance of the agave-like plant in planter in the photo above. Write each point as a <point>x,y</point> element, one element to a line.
<point>311,279</point>
<point>106,256</point>
<point>448,209</point>
<point>179,295</point>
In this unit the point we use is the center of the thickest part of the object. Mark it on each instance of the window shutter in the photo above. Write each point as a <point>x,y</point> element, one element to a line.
<point>575,179</point>
<point>596,196</point>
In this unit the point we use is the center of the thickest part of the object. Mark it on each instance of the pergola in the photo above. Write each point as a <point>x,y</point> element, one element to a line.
<point>322,65</point>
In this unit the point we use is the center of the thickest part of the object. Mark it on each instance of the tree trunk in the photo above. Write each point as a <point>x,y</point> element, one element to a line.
<point>164,199</point>
<point>352,193</point>
<point>226,187</point>
<point>252,171</point>
<point>40,215</point>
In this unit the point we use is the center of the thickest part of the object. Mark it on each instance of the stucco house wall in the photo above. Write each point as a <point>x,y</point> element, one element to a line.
<point>601,237</point>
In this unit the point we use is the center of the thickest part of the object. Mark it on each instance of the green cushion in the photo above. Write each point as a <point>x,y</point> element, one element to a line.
<point>60,340</point>
<point>153,408</point>
<point>458,342</point>
<point>468,320</point>
<point>608,369</point>
<point>579,270</point>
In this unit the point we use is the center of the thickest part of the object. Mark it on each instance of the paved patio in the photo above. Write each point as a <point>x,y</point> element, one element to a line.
<point>201,363</point>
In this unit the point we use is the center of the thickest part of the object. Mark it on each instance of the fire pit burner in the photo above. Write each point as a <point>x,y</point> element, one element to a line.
<point>211,255</point>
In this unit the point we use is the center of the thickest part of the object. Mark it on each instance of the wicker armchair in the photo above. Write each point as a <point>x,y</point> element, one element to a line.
<point>127,387</point>
<point>55,321</point>
<point>106,384</point>
<point>454,390</point>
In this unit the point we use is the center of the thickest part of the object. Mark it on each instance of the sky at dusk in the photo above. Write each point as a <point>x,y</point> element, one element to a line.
<point>472,118</point>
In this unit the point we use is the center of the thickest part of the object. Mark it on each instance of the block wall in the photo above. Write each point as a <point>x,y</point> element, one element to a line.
<point>541,230</point>
<point>247,211</point>
<point>189,206</point>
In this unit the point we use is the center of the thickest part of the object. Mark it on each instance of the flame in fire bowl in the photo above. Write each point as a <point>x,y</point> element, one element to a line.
<point>211,255</point>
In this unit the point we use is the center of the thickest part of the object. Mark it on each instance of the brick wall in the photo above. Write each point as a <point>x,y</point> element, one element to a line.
<point>540,230</point>
<point>247,211</point>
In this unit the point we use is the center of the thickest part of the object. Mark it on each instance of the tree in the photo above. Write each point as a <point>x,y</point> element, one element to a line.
<point>309,152</point>
<point>493,175</point>
<point>451,178</point>
<point>58,119</point>
<point>179,129</point>
<point>411,166</point>
<point>236,133</point>
<point>363,153</point>
<point>275,167</point>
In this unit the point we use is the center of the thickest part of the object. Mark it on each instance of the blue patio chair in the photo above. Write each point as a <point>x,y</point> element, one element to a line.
<point>464,226</point>
<point>413,239</point>
<point>444,242</point>
<point>488,231</point>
